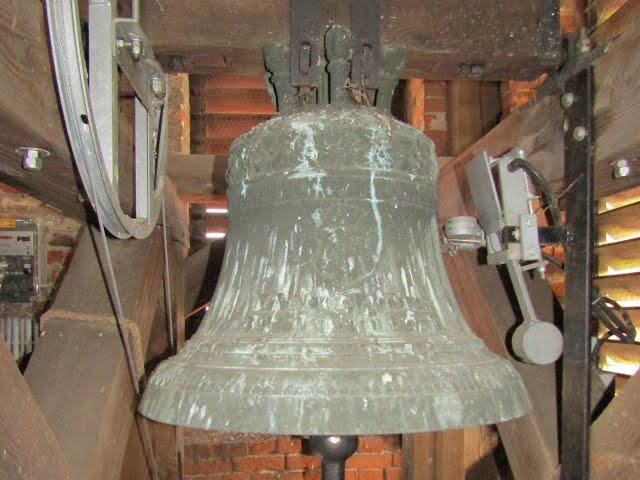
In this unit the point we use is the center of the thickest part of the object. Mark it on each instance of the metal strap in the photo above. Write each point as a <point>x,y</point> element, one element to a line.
<point>167,280</point>
<point>106,265</point>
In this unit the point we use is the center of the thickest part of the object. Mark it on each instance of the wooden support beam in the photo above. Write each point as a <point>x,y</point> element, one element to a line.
<point>29,447</point>
<point>617,111</point>
<point>198,177</point>
<point>78,373</point>
<point>437,47</point>
<point>233,102</point>
<point>29,115</point>
<point>615,436</point>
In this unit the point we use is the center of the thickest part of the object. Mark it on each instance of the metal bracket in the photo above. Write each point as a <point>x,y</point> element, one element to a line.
<point>576,364</point>
<point>365,27</point>
<point>91,111</point>
<point>307,48</point>
<point>503,205</point>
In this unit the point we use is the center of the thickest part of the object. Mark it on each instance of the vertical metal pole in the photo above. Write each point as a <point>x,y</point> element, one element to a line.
<point>576,361</point>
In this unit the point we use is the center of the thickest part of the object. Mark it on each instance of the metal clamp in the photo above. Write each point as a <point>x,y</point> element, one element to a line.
<point>91,111</point>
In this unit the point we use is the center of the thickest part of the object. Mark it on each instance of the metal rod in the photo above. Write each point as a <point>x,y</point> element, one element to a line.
<point>334,451</point>
<point>576,362</point>
<point>167,281</point>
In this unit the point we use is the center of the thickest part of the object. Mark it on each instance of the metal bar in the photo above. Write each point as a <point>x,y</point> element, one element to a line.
<point>576,362</point>
<point>365,27</point>
<point>103,82</point>
<point>143,163</point>
<point>167,281</point>
<point>306,42</point>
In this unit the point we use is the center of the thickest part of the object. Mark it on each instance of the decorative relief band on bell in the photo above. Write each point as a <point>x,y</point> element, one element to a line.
<point>400,190</point>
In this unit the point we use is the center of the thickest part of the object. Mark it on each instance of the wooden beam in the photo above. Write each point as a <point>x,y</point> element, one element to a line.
<point>198,177</point>
<point>616,23</point>
<point>78,373</point>
<point>29,447</point>
<point>436,45</point>
<point>233,102</point>
<point>619,224</point>
<point>615,436</point>
<point>617,110</point>
<point>29,115</point>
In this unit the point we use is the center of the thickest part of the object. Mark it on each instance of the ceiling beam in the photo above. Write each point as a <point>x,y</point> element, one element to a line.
<point>509,39</point>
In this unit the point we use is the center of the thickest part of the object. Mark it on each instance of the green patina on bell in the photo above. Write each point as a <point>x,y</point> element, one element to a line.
<point>333,313</point>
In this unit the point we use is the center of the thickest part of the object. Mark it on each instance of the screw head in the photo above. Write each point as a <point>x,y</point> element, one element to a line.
<point>622,169</point>
<point>579,133</point>
<point>32,157</point>
<point>135,49</point>
<point>475,71</point>
<point>157,86</point>
<point>567,99</point>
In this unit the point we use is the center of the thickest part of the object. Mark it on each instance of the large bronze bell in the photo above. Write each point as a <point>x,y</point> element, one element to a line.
<point>333,313</point>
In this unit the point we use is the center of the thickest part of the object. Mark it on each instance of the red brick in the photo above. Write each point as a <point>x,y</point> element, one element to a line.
<point>392,474</point>
<point>370,474</point>
<point>264,476</point>
<point>312,475</point>
<point>302,462</point>
<point>258,463</point>
<point>197,450</point>
<point>268,445</point>
<point>441,140</point>
<point>435,105</point>
<point>292,475</point>
<point>378,443</point>
<point>62,240</point>
<point>202,466</point>
<point>370,460</point>
<point>221,476</point>
<point>350,474</point>
<point>57,256</point>
<point>397,460</point>
<point>289,445</point>
<point>227,450</point>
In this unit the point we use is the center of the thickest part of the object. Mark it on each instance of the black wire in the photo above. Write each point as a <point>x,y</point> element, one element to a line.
<point>537,176</point>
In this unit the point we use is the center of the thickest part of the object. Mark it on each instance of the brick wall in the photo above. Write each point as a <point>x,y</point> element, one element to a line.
<point>435,115</point>
<point>213,456</point>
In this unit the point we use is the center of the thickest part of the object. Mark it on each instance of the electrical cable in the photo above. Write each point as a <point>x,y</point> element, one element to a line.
<point>538,177</point>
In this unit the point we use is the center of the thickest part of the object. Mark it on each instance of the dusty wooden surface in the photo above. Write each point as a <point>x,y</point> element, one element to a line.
<point>29,113</point>
<point>78,372</point>
<point>615,436</point>
<point>440,35</point>
<point>29,447</point>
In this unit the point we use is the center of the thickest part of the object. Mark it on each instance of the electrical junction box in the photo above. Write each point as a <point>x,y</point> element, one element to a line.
<point>19,261</point>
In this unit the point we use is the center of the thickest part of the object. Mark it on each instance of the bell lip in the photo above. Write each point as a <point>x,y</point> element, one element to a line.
<point>155,400</point>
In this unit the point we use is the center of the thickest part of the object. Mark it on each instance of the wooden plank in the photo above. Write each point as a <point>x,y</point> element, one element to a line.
<point>419,456</point>
<point>414,107</point>
<point>615,436</point>
<point>29,447</point>
<point>198,177</point>
<point>617,111</point>
<point>233,102</point>
<point>619,224</point>
<point>29,114</point>
<point>223,126</point>
<point>616,23</point>
<point>78,373</point>
<point>624,289</point>
<point>618,258</point>
<point>450,445</point>
<point>482,33</point>
<point>202,83</point>
<point>536,128</point>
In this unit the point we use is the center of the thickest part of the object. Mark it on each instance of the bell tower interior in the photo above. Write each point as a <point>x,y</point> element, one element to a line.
<point>319,239</point>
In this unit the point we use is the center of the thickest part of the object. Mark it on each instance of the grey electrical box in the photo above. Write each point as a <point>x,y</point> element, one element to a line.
<point>18,259</point>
